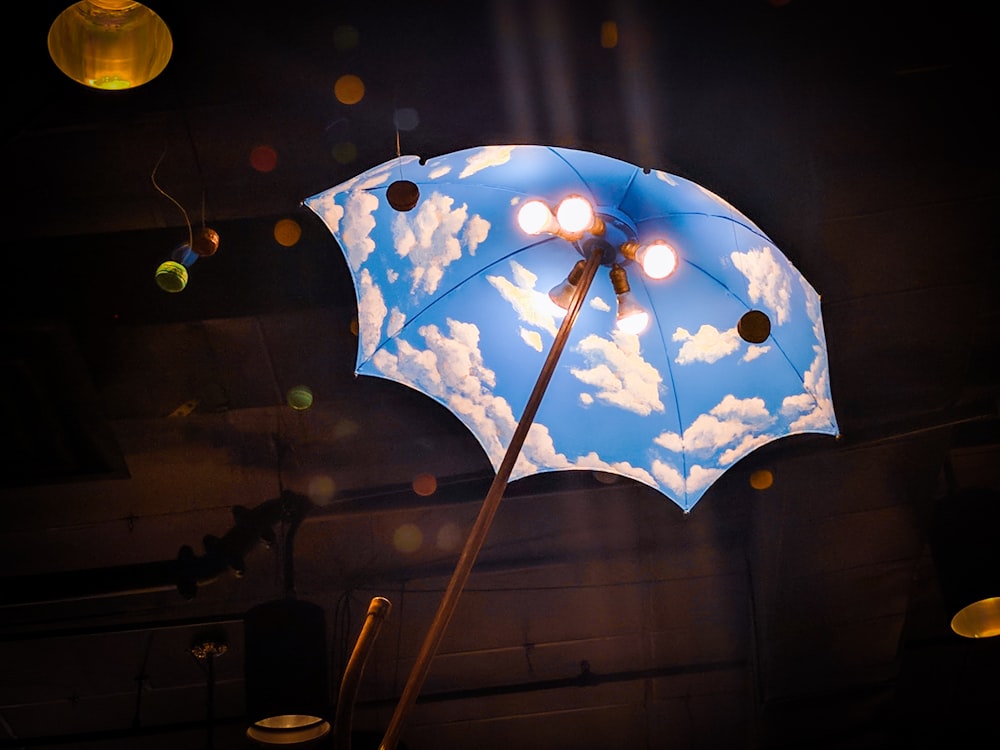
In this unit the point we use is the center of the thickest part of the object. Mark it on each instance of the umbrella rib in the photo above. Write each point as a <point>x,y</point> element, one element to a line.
<point>727,217</point>
<point>574,170</point>
<point>677,401</point>
<point>440,297</point>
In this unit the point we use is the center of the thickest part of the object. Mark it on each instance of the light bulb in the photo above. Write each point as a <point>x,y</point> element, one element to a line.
<point>534,217</point>
<point>658,260</point>
<point>562,293</point>
<point>632,317</point>
<point>575,215</point>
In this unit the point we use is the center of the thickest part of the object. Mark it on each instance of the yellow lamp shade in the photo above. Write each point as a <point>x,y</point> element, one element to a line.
<point>981,619</point>
<point>965,543</point>
<point>110,44</point>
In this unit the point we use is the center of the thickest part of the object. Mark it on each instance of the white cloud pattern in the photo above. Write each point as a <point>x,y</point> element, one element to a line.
<point>430,239</point>
<point>767,281</point>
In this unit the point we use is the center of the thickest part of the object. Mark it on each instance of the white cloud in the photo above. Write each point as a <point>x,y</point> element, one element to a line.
<point>599,304</point>
<point>669,477</point>
<point>371,313</point>
<point>813,407</point>
<point>619,374</point>
<point>594,462</point>
<point>438,172</point>
<point>451,369</point>
<point>327,208</point>
<point>767,280</point>
<point>753,351</point>
<point>475,232</point>
<point>709,344</point>
<point>665,177</point>
<point>375,176</point>
<point>532,338</point>
<point>488,156</point>
<point>532,307</point>
<point>359,221</point>
<point>726,424</point>
<point>430,238</point>
<point>700,477</point>
<point>397,319</point>
<point>744,447</point>
<point>672,441</point>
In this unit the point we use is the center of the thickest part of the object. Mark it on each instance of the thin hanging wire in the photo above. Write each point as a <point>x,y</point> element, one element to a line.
<point>169,197</point>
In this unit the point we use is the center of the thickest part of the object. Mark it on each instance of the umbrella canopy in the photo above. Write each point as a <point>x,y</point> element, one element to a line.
<point>453,300</point>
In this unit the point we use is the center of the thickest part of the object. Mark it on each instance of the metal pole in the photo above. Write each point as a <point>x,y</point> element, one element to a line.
<point>351,681</point>
<point>477,536</point>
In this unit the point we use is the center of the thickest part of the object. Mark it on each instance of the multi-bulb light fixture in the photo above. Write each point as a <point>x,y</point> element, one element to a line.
<point>576,220</point>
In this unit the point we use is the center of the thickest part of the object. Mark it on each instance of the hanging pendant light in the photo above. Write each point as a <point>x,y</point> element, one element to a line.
<point>110,44</point>
<point>965,542</point>
<point>285,669</point>
<point>287,692</point>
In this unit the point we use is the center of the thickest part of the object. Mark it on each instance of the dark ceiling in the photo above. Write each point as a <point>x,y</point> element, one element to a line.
<point>860,136</point>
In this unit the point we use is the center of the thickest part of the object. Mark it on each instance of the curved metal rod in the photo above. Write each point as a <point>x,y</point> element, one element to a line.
<point>377,611</point>
<point>481,527</point>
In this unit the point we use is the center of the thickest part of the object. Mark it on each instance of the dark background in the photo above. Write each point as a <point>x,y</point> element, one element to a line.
<point>861,136</point>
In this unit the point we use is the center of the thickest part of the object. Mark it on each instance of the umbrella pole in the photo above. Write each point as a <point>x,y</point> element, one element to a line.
<point>481,527</point>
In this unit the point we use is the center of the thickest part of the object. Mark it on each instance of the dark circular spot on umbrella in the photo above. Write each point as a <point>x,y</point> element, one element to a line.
<point>754,327</point>
<point>402,195</point>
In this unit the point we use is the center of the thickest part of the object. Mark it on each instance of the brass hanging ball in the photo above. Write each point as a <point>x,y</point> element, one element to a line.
<point>205,242</point>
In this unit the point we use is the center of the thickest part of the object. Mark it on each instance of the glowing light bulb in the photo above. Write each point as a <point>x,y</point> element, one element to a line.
<point>658,260</point>
<point>534,217</point>
<point>635,321</point>
<point>575,215</point>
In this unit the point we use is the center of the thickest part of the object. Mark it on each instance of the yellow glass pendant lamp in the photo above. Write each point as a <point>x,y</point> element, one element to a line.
<point>110,44</point>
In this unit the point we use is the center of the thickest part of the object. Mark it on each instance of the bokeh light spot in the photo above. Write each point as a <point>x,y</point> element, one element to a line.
<point>287,232</point>
<point>322,489</point>
<point>407,538</point>
<point>609,35</point>
<point>761,479</point>
<point>300,397</point>
<point>344,152</point>
<point>263,158</point>
<point>345,428</point>
<point>346,37</point>
<point>449,537</point>
<point>425,484</point>
<point>349,89</point>
<point>405,118</point>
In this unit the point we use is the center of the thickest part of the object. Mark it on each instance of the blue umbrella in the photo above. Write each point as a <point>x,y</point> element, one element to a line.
<point>478,284</point>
